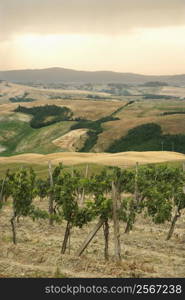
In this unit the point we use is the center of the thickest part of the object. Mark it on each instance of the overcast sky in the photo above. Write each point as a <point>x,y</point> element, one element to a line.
<point>140,36</point>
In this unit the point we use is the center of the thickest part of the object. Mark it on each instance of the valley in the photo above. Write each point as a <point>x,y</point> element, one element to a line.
<point>107,119</point>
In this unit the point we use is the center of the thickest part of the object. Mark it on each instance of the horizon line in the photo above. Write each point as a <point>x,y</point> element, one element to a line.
<point>92,71</point>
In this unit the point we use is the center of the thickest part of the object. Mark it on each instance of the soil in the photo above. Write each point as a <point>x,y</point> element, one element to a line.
<point>145,252</point>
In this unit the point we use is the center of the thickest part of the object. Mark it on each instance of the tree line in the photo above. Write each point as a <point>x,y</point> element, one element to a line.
<point>148,137</point>
<point>46,115</point>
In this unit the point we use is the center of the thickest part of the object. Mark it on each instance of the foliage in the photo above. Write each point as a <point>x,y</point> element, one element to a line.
<point>46,115</point>
<point>95,129</point>
<point>42,188</point>
<point>148,137</point>
<point>67,189</point>
<point>154,84</point>
<point>21,99</point>
<point>156,190</point>
<point>163,186</point>
<point>173,113</point>
<point>23,191</point>
<point>158,97</point>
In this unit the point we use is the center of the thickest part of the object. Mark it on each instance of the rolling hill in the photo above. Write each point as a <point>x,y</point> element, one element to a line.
<point>123,159</point>
<point>62,75</point>
<point>148,119</point>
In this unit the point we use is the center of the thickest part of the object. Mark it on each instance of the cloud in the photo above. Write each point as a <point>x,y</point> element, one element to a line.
<point>87,16</point>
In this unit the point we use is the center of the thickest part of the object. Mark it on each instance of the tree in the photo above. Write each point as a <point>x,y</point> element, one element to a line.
<point>4,189</point>
<point>100,205</point>
<point>179,203</point>
<point>66,198</point>
<point>164,195</point>
<point>23,191</point>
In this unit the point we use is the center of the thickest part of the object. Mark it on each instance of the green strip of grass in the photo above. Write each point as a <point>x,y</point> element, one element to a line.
<point>18,137</point>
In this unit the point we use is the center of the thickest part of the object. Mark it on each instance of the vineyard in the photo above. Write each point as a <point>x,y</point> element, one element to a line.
<point>113,201</point>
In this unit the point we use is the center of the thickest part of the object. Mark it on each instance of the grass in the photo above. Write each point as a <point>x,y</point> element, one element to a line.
<point>93,168</point>
<point>18,137</point>
<point>40,141</point>
<point>13,132</point>
<point>139,113</point>
<point>145,253</point>
<point>24,139</point>
<point>42,169</point>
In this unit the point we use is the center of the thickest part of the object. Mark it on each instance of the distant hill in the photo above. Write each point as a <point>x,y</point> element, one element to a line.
<point>61,75</point>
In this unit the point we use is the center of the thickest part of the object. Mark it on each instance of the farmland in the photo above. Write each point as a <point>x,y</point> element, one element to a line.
<point>145,251</point>
<point>106,118</point>
<point>101,130</point>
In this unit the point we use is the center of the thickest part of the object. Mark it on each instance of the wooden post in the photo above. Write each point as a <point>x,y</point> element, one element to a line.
<point>12,221</point>
<point>90,237</point>
<point>2,187</point>
<point>136,184</point>
<point>66,237</point>
<point>173,223</point>
<point>83,191</point>
<point>116,224</point>
<point>51,210</point>
<point>106,237</point>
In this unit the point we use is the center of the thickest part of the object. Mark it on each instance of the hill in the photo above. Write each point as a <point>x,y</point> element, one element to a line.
<point>123,159</point>
<point>62,75</point>
<point>148,118</point>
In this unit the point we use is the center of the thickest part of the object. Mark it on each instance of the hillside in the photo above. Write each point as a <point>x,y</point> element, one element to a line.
<point>145,119</point>
<point>118,159</point>
<point>89,131</point>
<point>54,75</point>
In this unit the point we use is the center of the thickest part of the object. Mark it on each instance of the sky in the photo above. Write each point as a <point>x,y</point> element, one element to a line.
<point>138,36</point>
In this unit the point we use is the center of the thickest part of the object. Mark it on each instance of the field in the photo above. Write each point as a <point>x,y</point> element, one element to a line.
<point>124,159</point>
<point>99,120</point>
<point>129,112</point>
<point>145,253</point>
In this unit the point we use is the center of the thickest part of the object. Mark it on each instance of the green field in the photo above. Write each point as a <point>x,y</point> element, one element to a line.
<point>18,137</point>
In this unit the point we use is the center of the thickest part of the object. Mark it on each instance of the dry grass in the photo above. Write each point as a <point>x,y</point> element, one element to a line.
<point>136,114</point>
<point>173,91</point>
<point>88,109</point>
<point>72,140</point>
<point>141,113</point>
<point>174,124</point>
<point>116,159</point>
<point>145,253</point>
